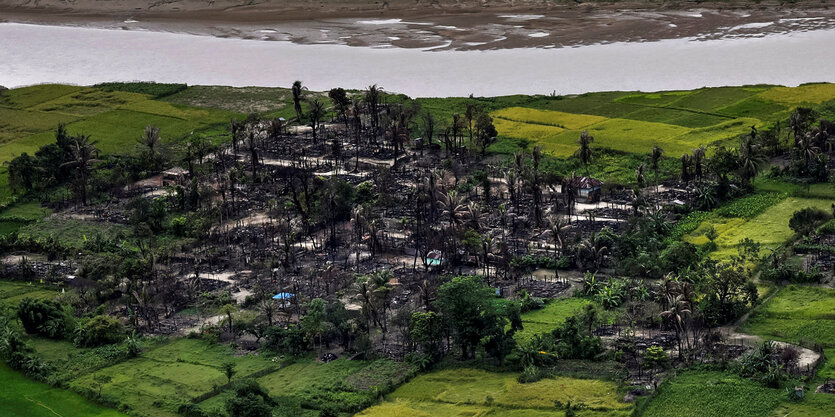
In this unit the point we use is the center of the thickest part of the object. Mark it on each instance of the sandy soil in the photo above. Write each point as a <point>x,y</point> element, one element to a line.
<point>465,25</point>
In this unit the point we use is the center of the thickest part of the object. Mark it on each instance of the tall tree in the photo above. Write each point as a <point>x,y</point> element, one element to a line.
<point>315,113</point>
<point>298,95</point>
<point>83,156</point>
<point>150,140</point>
<point>584,152</point>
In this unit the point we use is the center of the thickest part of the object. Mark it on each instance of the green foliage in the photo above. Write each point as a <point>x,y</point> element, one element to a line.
<point>100,330</point>
<point>157,90</point>
<point>249,400</point>
<point>44,317</point>
<point>806,220</point>
<point>750,206</point>
<point>712,394</point>
<point>467,306</point>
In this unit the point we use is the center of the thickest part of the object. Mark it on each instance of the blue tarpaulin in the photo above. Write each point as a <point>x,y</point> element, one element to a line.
<point>283,296</point>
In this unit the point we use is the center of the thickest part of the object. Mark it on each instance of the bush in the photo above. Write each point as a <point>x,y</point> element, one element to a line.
<point>805,221</point>
<point>100,330</point>
<point>43,317</point>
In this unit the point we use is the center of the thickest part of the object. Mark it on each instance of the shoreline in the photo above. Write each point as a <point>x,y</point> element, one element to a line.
<point>481,28</point>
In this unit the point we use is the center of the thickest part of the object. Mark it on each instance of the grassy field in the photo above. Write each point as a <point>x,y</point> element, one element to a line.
<point>770,228</point>
<point>796,313</point>
<point>22,397</point>
<point>548,318</point>
<point>161,379</point>
<point>557,132</point>
<point>115,119</point>
<point>476,392</point>
<point>12,292</point>
<point>697,393</point>
<point>73,232</point>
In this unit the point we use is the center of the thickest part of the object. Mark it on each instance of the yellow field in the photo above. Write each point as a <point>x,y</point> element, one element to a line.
<point>809,93</point>
<point>557,132</point>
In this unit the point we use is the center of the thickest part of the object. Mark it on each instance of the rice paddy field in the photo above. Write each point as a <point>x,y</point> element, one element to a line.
<point>796,313</point>
<point>23,397</point>
<point>677,121</point>
<point>465,391</point>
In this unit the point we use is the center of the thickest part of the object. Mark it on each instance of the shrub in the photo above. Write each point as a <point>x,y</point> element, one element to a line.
<point>100,330</point>
<point>805,221</point>
<point>43,317</point>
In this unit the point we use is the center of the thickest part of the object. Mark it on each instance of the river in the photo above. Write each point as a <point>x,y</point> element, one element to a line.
<point>31,54</point>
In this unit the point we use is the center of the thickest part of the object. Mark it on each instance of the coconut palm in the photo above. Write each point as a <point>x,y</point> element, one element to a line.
<point>558,226</point>
<point>372,100</point>
<point>150,139</point>
<point>83,155</point>
<point>584,152</point>
<point>699,162</point>
<point>639,176</point>
<point>751,159</point>
<point>686,161</point>
<point>315,113</point>
<point>453,208</point>
<point>298,95</point>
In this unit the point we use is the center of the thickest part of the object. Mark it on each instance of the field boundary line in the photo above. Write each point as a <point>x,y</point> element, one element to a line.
<point>43,405</point>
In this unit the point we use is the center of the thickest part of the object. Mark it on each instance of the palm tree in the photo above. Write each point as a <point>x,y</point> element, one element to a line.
<point>372,99</point>
<point>584,152</point>
<point>751,159</point>
<point>677,313</point>
<point>639,176</point>
<point>453,208</point>
<point>315,114</point>
<point>83,155</point>
<point>698,162</point>
<point>807,149</point>
<point>686,161</point>
<point>150,139</point>
<point>557,225</point>
<point>298,93</point>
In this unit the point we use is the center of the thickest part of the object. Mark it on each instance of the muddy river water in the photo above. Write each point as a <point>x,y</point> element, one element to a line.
<point>31,54</point>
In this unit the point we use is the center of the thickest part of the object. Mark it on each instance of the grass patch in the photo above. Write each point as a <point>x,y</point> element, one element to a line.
<point>21,98</point>
<point>23,397</point>
<point>73,232</point>
<point>157,382</point>
<point>796,313</point>
<point>770,228</point>
<point>549,317</point>
<point>12,292</point>
<point>804,94</point>
<point>696,393</point>
<point>500,393</point>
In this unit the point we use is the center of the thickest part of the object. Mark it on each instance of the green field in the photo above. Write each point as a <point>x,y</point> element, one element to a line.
<point>697,393</point>
<point>549,317</point>
<point>796,313</point>
<point>161,379</point>
<point>464,391</point>
<point>770,228</point>
<point>115,119</point>
<point>12,292</point>
<point>23,397</point>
